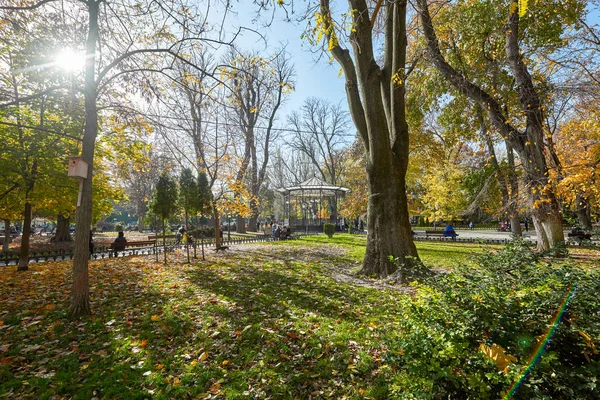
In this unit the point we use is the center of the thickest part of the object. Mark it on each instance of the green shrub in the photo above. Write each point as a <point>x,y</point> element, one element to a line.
<point>329,229</point>
<point>118,228</point>
<point>510,300</point>
<point>206,232</point>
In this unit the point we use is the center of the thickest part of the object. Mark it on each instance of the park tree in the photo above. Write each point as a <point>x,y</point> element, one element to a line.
<point>578,149</point>
<point>520,118</point>
<point>354,203</point>
<point>128,49</point>
<point>189,197</point>
<point>321,131</point>
<point>257,89</point>
<point>203,137</point>
<point>375,88</point>
<point>164,203</point>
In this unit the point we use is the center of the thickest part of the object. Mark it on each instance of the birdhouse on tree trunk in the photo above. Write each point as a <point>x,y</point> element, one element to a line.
<point>78,168</point>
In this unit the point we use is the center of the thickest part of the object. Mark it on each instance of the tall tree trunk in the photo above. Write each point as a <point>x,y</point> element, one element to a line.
<point>6,241</point>
<point>583,212</point>
<point>388,224</point>
<point>141,225</point>
<point>252,223</point>
<point>23,264</point>
<point>63,229</point>
<point>512,209</point>
<point>240,224</point>
<point>376,99</point>
<point>80,292</point>
<point>24,250</point>
<point>164,234</point>
<point>217,227</point>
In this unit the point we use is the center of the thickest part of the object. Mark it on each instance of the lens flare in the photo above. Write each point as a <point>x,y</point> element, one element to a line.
<point>70,60</point>
<point>541,348</point>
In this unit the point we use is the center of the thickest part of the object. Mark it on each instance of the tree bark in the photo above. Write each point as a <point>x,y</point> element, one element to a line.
<point>6,236</point>
<point>164,233</point>
<point>388,225</point>
<point>512,209</point>
<point>252,222</point>
<point>25,237</point>
<point>240,224</point>
<point>80,292</point>
<point>141,225</point>
<point>217,227</point>
<point>583,212</point>
<point>63,226</point>
<point>376,99</point>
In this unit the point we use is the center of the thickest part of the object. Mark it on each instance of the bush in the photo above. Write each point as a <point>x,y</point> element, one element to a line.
<point>329,229</point>
<point>509,300</point>
<point>206,232</point>
<point>119,228</point>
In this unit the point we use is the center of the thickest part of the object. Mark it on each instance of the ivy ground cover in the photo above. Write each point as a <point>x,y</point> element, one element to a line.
<point>290,320</point>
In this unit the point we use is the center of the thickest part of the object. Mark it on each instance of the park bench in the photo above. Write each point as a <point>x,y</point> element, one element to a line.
<point>439,233</point>
<point>116,247</point>
<point>579,237</point>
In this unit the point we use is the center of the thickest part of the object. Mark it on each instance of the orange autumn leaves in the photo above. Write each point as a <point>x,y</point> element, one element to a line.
<point>578,148</point>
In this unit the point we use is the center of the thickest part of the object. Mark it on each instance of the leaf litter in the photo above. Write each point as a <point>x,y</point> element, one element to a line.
<point>260,321</point>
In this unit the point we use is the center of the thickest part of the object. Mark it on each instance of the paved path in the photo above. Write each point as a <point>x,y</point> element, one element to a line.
<point>489,234</point>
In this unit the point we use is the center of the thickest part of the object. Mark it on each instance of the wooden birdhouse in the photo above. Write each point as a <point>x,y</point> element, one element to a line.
<point>77,168</point>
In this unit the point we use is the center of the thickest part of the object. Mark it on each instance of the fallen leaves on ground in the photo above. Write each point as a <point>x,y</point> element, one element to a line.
<point>256,322</point>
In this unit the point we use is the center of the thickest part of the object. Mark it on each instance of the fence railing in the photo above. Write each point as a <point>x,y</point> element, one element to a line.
<point>103,252</point>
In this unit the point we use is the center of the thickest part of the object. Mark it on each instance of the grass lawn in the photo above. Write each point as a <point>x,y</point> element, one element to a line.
<point>282,320</point>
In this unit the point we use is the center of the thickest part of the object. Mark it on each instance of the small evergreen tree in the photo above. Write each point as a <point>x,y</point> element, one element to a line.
<point>164,201</point>
<point>188,193</point>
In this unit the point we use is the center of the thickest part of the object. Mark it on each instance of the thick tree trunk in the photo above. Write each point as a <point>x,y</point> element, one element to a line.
<point>63,232</point>
<point>24,250</point>
<point>80,292</point>
<point>545,209</point>
<point>240,224</point>
<point>252,223</point>
<point>388,227</point>
<point>583,212</point>
<point>6,241</point>
<point>515,226</point>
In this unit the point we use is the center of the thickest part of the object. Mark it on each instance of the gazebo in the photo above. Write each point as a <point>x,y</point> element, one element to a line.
<point>304,203</point>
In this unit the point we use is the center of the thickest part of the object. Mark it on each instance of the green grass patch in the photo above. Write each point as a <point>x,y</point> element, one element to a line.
<point>433,254</point>
<point>272,321</point>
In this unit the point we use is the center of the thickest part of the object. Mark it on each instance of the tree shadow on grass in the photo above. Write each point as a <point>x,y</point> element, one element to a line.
<point>261,293</point>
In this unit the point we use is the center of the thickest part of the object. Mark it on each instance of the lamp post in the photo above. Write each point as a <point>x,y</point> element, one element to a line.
<point>228,228</point>
<point>304,222</point>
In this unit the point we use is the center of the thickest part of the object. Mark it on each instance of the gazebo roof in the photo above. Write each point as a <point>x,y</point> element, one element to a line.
<point>314,187</point>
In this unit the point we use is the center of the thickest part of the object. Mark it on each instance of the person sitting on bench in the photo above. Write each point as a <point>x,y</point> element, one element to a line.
<point>118,244</point>
<point>449,231</point>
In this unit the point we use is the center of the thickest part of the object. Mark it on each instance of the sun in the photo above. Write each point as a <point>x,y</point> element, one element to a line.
<point>70,60</point>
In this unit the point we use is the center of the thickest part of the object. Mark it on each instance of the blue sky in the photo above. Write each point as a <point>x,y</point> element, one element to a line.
<point>314,78</point>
